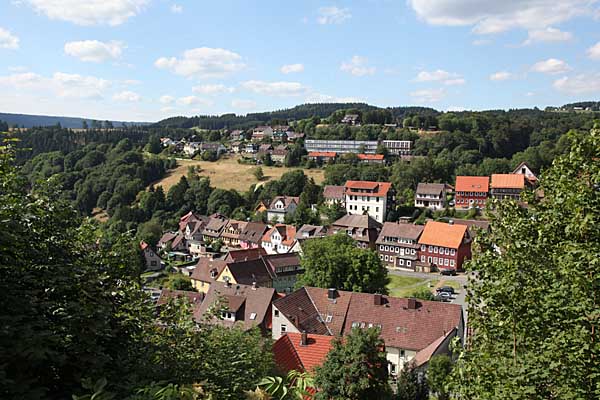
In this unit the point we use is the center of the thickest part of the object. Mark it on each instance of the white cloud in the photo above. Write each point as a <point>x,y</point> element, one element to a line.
<point>551,66</point>
<point>243,104</point>
<point>203,62</point>
<point>167,110</point>
<point>501,76</point>
<point>578,84</point>
<point>333,15</point>
<point>428,95</point>
<point>493,16</point>
<point>94,50</point>
<point>548,34</point>
<point>166,99</point>
<point>275,88</point>
<point>176,9</point>
<point>594,52</point>
<point>212,89</point>
<point>289,68</point>
<point>60,84</point>
<point>128,96</point>
<point>193,100</point>
<point>8,40</point>
<point>90,12</point>
<point>447,78</point>
<point>131,82</point>
<point>324,98</point>
<point>358,66</point>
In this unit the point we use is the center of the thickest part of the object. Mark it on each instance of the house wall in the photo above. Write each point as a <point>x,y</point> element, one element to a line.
<point>375,206</point>
<point>153,261</point>
<point>438,256</point>
<point>278,321</point>
<point>394,252</point>
<point>200,286</point>
<point>398,357</point>
<point>470,199</point>
<point>226,273</point>
<point>430,201</point>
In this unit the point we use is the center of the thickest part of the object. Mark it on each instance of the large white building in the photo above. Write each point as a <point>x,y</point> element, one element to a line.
<point>372,198</point>
<point>395,147</point>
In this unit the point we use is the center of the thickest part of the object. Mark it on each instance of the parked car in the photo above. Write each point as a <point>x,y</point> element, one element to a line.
<point>448,272</point>
<point>445,289</point>
<point>442,296</point>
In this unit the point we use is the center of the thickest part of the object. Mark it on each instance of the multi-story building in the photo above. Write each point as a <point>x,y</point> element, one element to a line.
<point>397,244</point>
<point>232,232</point>
<point>362,228</point>
<point>279,239</point>
<point>398,147</point>
<point>507,186</point>
<point>471,191</point>
<point>431,195</point>
<point>334,194</point>
<point>371,158</point>
<point>341,146</point>
<point>365,197</point>
<point>282,206</point>
<point>444,246</point>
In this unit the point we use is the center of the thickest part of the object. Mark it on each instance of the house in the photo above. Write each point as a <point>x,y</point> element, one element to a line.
<point>152,261</point>
<point>444,246</point>
<point>431,195</point>
<point>214,227</point>
<point>373,198</point>
<point>524,169</point>
<point>321,157</point>
<point>261,132</point>
<point>206,273</point>
<point>397,244</point>
<point>279,153</point>
<point>334,194</point>
<point>251,236</point>
<point>248,272</point>
<point>166,240</point>
<point>193,298</point>
<point>409,327</point>
<point>282,206</point>
<point>218,148</point>
<point>246,306</point>
<point>341,146</point>
<point>307,231</point>
<point>244,255</point>
<point>371,158</point>
<point>351,119</point>
<point>471,191</point>
<point>280,132</point>
<point>191,148</point>
<point>260,207</point>
<point>285,270</point>
<point>473,225</point>
<point>507,186</point>
<point>251,148</point>
<point>236,135</point>
<point>398,147</point>
<point>293,136</point>
<point>362,228</point>
<point>301,352</point>
<point>232,232</point>
<point>236,147</point>
<point>279,239</point>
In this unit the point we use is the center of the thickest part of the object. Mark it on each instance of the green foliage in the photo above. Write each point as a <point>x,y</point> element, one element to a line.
<point>423,294</point>
<point>336,262</point>
<point>179,282</point>
<point>410,385</point>
<point>258,173</point>
<point>355,368</point>
<point>294,385</point>
<point>438,371</point>
<point>153,145</point>
<point>534,307</point>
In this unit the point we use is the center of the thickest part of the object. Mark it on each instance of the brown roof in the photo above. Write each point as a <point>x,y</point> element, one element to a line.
<point>423,356</point>
<point>430,188</point>
<point>167,237</point>
<point>203,268</point>
<point>307,231</point>
<point>357,221</point>
<point>508,181</point>
<point>442,234</point>
<point>253,232</point>
<point>237,226</point>
<point>406,231</point>
<point>472,184</point>
<point>470,223</point>
<point>215,224</point>
<point>281,260</point>
<point>287,200</point>
<point>333,192</point>
<point>256,300</point>
<point>192,297</point>
<point>251,271</point>
<point>245,254</point>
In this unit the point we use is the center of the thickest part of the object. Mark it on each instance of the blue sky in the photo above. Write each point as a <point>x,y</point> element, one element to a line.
<point>150,59</point>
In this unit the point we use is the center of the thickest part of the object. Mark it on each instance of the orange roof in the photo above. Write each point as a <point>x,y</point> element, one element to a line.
<point>442,234</point>
<point>370,156</point>
<point>143,245</point>
<point>508,181</point>
<point>472,184</point>
<point>291,355</point>
<point>287,232</point>
<point>381,187</point>
<point>322,154</point>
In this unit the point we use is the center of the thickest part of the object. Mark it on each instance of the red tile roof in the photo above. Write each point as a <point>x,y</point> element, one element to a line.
<point>508,181</point>
<point>472,184</point>
<point>378,157</point>
<point>287,232</point>
<point>361,185</point>
<point>380,188</point>
<point>442,234</point>
<point>290,354</point>
<point>143,245</point>
<point>333,192</point>
<point>322,154</point>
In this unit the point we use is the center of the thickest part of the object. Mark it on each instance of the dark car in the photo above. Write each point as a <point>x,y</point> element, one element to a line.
<point>445,289</point>
<point>449,272</point>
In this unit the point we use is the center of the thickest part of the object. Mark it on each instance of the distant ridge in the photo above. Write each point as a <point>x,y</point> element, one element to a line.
<point>28,121</point>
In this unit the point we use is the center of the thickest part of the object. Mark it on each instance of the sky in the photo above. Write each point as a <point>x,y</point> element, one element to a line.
<point>145,60</point>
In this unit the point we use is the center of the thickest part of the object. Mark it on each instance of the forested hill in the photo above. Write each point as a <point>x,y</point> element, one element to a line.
<point>321,110</point>
<point>29,121</point>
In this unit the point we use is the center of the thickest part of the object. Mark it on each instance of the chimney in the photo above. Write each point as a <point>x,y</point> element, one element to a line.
<point>412,303</point>
<point>331,293</point>
<point>254,285</point>
<point>304,339</point>
<point>377,299</point>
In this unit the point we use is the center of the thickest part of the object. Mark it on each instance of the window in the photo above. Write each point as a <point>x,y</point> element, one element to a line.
<point>402,354</point>
<point>401,262</point>
<point>381,257</point>
<point>283,328</point>
<point>452,263</point>
<point>435,260</point>
<point>446,262</point>
<point>452,252</point>
<point>422,258</point>
<point>253,316</point>
<point>153,263</point>
<point>328,318</point>
<point>355,324</point>
<point>422,247</point>
<point>408,263</point>
<point>276,313</point>
<point>435,249</point>
<point>430,249</point>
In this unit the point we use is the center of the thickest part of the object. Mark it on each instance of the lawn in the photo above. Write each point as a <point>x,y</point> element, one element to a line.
<point>404,286</point>
<point>227,173</point>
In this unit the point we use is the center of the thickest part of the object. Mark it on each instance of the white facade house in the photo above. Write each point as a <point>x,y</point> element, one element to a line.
<point>279,239</point>
<point>282,206</point>
<point>431,195</point>
<point>372,198</point>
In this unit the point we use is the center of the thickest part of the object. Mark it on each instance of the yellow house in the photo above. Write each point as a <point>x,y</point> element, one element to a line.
<point>251,272</point>
<point>206,272</point>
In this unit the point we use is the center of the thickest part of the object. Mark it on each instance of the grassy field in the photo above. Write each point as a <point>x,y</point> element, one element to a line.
<point>227,173</point>
<point>404,286</point>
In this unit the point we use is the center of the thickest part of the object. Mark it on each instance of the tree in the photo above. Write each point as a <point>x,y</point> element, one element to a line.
<point>153,145</point>
<point>333,212</point>
<point>423,294</point>
<point>294,385</point>
<point>179,282</point>
<point>438,370</point>
<point>410,385</point>
<point>266,159</point>
<point>258,173</point>
<point>355,368</point>
<point>335,261</point>
<point>534,305</point>
<point>150,232</point>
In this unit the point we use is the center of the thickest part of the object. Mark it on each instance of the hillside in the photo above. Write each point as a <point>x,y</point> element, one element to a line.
<point>29,121</point>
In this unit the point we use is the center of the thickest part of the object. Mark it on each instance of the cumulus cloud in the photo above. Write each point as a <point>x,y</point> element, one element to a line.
<point>358,66</point>
<point>289,68</point>
<point>166,99</point>
<point>60,84</point>
<point>243,104</point>
<point>94,50</point>
<point>203,62</point>
<point>325,98</point>
<point>333,15</point>
<point>578,84</point>
<point>213,89</point>
<point>447,78</point>
<point>551,66</point>
<point>547,35</point>
<point>428,95</point>
<point>176,9</point>
<point>501,76</point>
<point>8,40</point>
<point>193,100</point>
<point>89,12</point>
<point>594,52</point>
<point>275,88</point>
<point>127,96</point>
<point>493,16</point>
